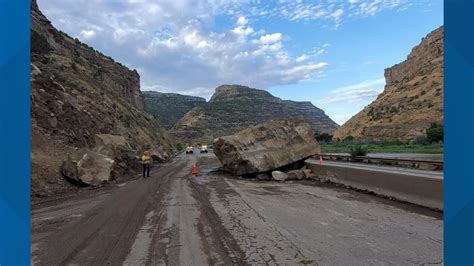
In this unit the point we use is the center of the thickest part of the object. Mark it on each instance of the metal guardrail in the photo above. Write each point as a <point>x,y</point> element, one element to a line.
<point>418,164</point>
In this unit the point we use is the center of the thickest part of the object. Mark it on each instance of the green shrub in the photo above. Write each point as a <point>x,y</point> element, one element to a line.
<point>323,137</point>
<point>348,138</point>
<point>435,133</point>
<point>359,151</point>
<point>179,146</point>
<point>420,140</point>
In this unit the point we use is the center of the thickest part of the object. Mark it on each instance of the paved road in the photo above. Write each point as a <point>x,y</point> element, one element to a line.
<point>174,218</point>
<point>383,169</point>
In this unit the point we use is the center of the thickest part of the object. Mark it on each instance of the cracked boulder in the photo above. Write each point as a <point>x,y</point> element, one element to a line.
<point>266,147</point>
<point>95,168</point>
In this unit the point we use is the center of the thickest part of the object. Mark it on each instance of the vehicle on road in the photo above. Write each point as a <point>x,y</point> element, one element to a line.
<point>203,149</point>
<point>190,149</point>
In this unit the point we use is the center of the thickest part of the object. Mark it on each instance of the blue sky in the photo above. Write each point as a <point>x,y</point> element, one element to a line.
<point>332,53</point>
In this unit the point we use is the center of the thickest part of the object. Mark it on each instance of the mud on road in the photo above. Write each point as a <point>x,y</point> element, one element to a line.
<point>174,218</point>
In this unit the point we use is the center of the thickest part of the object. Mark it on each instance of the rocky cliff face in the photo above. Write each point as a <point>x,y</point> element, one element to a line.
<point>234,107</point>
<point>316,117</point>
<point>411,100</point>
<point>170,107</point>
<point>76,94</point>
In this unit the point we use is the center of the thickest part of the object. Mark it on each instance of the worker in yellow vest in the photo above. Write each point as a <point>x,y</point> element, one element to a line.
<point>146,161</point>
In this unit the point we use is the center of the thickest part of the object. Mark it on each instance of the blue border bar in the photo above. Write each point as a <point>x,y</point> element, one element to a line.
<point>15,139</point>
<point>459,128</point>
<point>15,132</point>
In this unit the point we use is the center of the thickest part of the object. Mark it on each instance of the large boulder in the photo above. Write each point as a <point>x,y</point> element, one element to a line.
<point>118,148</point>
<point>111,145</point>
<point>94,168</point>
<point>266,147</point>
<point>69,169</point>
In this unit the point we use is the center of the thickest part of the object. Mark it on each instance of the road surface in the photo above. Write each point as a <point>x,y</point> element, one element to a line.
<point>383,169</point>
<point>174,218</point>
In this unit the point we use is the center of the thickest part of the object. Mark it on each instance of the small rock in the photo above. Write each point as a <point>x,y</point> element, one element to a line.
<point>263,177</point>
<point>309,174</point>
<point>34,70</point>
<point>69,169</point>
<point>53,121</point>
<point>296,174</point>
<point>279,176</point>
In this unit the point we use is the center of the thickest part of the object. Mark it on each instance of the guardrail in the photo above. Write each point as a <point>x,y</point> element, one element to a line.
<point>417,164</point>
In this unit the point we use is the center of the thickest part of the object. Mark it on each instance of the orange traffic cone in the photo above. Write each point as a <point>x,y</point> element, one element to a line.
<point>195,169</point>
<point>320,160</point>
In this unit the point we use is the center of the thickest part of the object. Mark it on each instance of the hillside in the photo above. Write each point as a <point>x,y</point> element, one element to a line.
<point>411,100</point>
<point>169,107</point>
<point>234,107</point>
<point>77,93</point>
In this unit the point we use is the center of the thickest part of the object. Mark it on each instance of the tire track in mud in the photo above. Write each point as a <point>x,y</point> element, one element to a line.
<point>192,229</point>
<point>220,245</point>
<point>261,240</point>
<point>106,233</point>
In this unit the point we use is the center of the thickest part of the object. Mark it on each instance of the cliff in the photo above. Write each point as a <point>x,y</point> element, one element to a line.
<point>235,107</point>
<point>170,107</point>
<point>411,100</point>
<point>77,93</point>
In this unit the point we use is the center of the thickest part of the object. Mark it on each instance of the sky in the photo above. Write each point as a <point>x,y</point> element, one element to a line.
<point>332,53</point>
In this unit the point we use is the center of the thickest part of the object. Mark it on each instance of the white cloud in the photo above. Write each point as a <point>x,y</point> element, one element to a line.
<point>242,21</point>
<point>242,31</point>
<point>364,91</point>
<point>87,34</point>
<point>305,69</point>
<point>371,7</point>
<point>121,35</point>
<point>176,44</point>
<point>302,58</point>
<point>337,14</point>
<point>270,38</point>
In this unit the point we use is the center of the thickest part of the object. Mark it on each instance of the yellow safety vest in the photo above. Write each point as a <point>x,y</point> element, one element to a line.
<point>146,159</point>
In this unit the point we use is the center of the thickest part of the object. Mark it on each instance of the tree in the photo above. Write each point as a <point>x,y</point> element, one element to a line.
<point>349,138</point>
<point>323,137</point>
<point>420,140</point>
<point>435,133</point>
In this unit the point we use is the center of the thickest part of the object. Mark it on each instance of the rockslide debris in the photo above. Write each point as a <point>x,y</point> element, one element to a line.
<point>266,147</point>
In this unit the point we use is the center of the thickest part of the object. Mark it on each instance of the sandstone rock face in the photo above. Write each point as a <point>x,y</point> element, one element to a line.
<point>170,107</point>
<point>233,108</point>
<point>266,147</point>
<point>412,98</point>
<point>279,176</point>
<point>77,93</point>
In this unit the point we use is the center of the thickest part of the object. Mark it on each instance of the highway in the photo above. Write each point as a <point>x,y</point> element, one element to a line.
<point>175,218</point>
<point>383,169</point>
